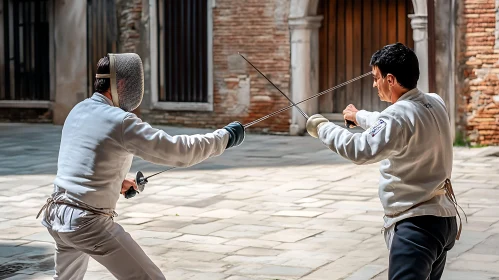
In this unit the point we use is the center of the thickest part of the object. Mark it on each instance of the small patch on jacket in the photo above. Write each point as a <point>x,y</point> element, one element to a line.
<point>377,127</point>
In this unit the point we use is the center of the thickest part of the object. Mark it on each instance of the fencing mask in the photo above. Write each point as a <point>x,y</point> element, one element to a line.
<point>127,80</point>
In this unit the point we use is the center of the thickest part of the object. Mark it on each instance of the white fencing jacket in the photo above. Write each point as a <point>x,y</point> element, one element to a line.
<point>412,139</point>
<point>98,144</point>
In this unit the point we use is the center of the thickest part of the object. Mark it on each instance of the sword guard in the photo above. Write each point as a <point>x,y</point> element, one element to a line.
<point>141,184</point>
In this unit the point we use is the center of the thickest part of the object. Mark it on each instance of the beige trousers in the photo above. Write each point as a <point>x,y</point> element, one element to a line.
<point>109,244</point>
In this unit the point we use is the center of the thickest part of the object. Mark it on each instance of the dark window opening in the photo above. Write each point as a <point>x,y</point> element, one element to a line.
<point>182,50</point>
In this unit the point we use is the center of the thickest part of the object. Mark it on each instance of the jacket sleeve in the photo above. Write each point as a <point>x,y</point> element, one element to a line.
<point>384,137</point>
<point>156,146</point>
<point>366,119</point>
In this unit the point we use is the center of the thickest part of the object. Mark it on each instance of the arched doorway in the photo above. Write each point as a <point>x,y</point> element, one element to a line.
<point>351,31</point>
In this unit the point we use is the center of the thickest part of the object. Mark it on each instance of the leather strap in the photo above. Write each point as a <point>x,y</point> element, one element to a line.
<point>452,197</point>
<point>448,191</point>
<point>114,91</point>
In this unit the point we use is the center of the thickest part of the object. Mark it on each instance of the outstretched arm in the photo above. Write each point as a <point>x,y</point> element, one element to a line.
<point>156,146</point>
<point>383,138</point>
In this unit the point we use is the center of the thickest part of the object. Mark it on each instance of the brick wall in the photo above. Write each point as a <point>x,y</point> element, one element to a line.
<point>478,55</point>
<point>259,30</point>
<point>129,13</point>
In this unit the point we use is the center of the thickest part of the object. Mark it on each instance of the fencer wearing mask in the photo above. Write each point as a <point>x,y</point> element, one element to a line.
<point>99,139</point>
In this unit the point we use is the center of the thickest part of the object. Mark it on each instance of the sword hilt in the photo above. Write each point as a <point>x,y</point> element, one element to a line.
<point>304,100</point>
<point>350,124</point>
<point>141,184</point>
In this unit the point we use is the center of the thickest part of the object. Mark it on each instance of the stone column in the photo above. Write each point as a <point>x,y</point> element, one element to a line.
<point>304,68</point>
<point>70,41</point>
<point>419,24</point>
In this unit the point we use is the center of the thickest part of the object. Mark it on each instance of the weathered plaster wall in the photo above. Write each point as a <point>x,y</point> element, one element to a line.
<point>70,57</point>
<point>259,30</point>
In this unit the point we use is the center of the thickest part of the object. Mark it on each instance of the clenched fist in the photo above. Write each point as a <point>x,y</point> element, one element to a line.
<point>350,115</point>
<point>127,183</point>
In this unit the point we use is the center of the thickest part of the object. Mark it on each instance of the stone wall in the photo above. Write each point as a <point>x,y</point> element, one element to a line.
<point>259,30</point>
<point>131,32</point>
<point>129,16</point>
<point>26,115</point>
<point>478,74</point>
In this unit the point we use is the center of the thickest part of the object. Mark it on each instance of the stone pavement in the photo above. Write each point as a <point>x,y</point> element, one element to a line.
<point>277,207</point>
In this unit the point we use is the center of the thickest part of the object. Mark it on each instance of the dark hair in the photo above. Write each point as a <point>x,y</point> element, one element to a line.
<point>400,61</point>
<point>102,85</point>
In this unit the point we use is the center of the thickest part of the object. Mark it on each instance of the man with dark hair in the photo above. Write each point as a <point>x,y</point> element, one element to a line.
<point>99,139</point>
<point>412,139</point>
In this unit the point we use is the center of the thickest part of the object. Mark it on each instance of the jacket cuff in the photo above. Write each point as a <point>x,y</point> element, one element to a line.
<point>224,134</point>
<point>361,118</point>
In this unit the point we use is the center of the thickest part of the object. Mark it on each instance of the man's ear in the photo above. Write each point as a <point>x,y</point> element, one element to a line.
<point>391,79</point>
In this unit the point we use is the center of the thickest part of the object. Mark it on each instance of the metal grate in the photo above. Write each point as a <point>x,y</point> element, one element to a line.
<point>102,34</point>
<point>26,71</point>
<point>183,45</point>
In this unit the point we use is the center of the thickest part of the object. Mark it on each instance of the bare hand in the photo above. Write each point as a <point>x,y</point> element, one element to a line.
<point>127,183</point>
<point>350,114</point>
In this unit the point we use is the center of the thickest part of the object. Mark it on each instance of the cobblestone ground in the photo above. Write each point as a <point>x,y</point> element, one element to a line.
<point>276,207</point>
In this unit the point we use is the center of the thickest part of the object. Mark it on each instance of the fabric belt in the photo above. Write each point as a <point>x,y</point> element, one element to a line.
<point>51,201</point>
<point>448,191</point>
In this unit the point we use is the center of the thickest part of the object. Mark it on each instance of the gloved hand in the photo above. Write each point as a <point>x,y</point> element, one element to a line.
<point>313,124</point>
<point>236,134</point>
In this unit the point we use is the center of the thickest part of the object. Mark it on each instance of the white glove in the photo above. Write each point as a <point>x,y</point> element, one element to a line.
<point>313,124</point>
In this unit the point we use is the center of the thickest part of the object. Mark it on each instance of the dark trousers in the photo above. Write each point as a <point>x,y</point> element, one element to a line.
<point>419,247</point>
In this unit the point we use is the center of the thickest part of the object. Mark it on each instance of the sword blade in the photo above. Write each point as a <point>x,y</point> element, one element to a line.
<point>285,108</point>
<point>307,99</point>
<point>289,99</point>
<point>159,172</point>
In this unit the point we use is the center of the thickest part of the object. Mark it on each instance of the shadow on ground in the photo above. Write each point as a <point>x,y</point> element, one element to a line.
<point>22,260</point>
<point>32,149</point>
